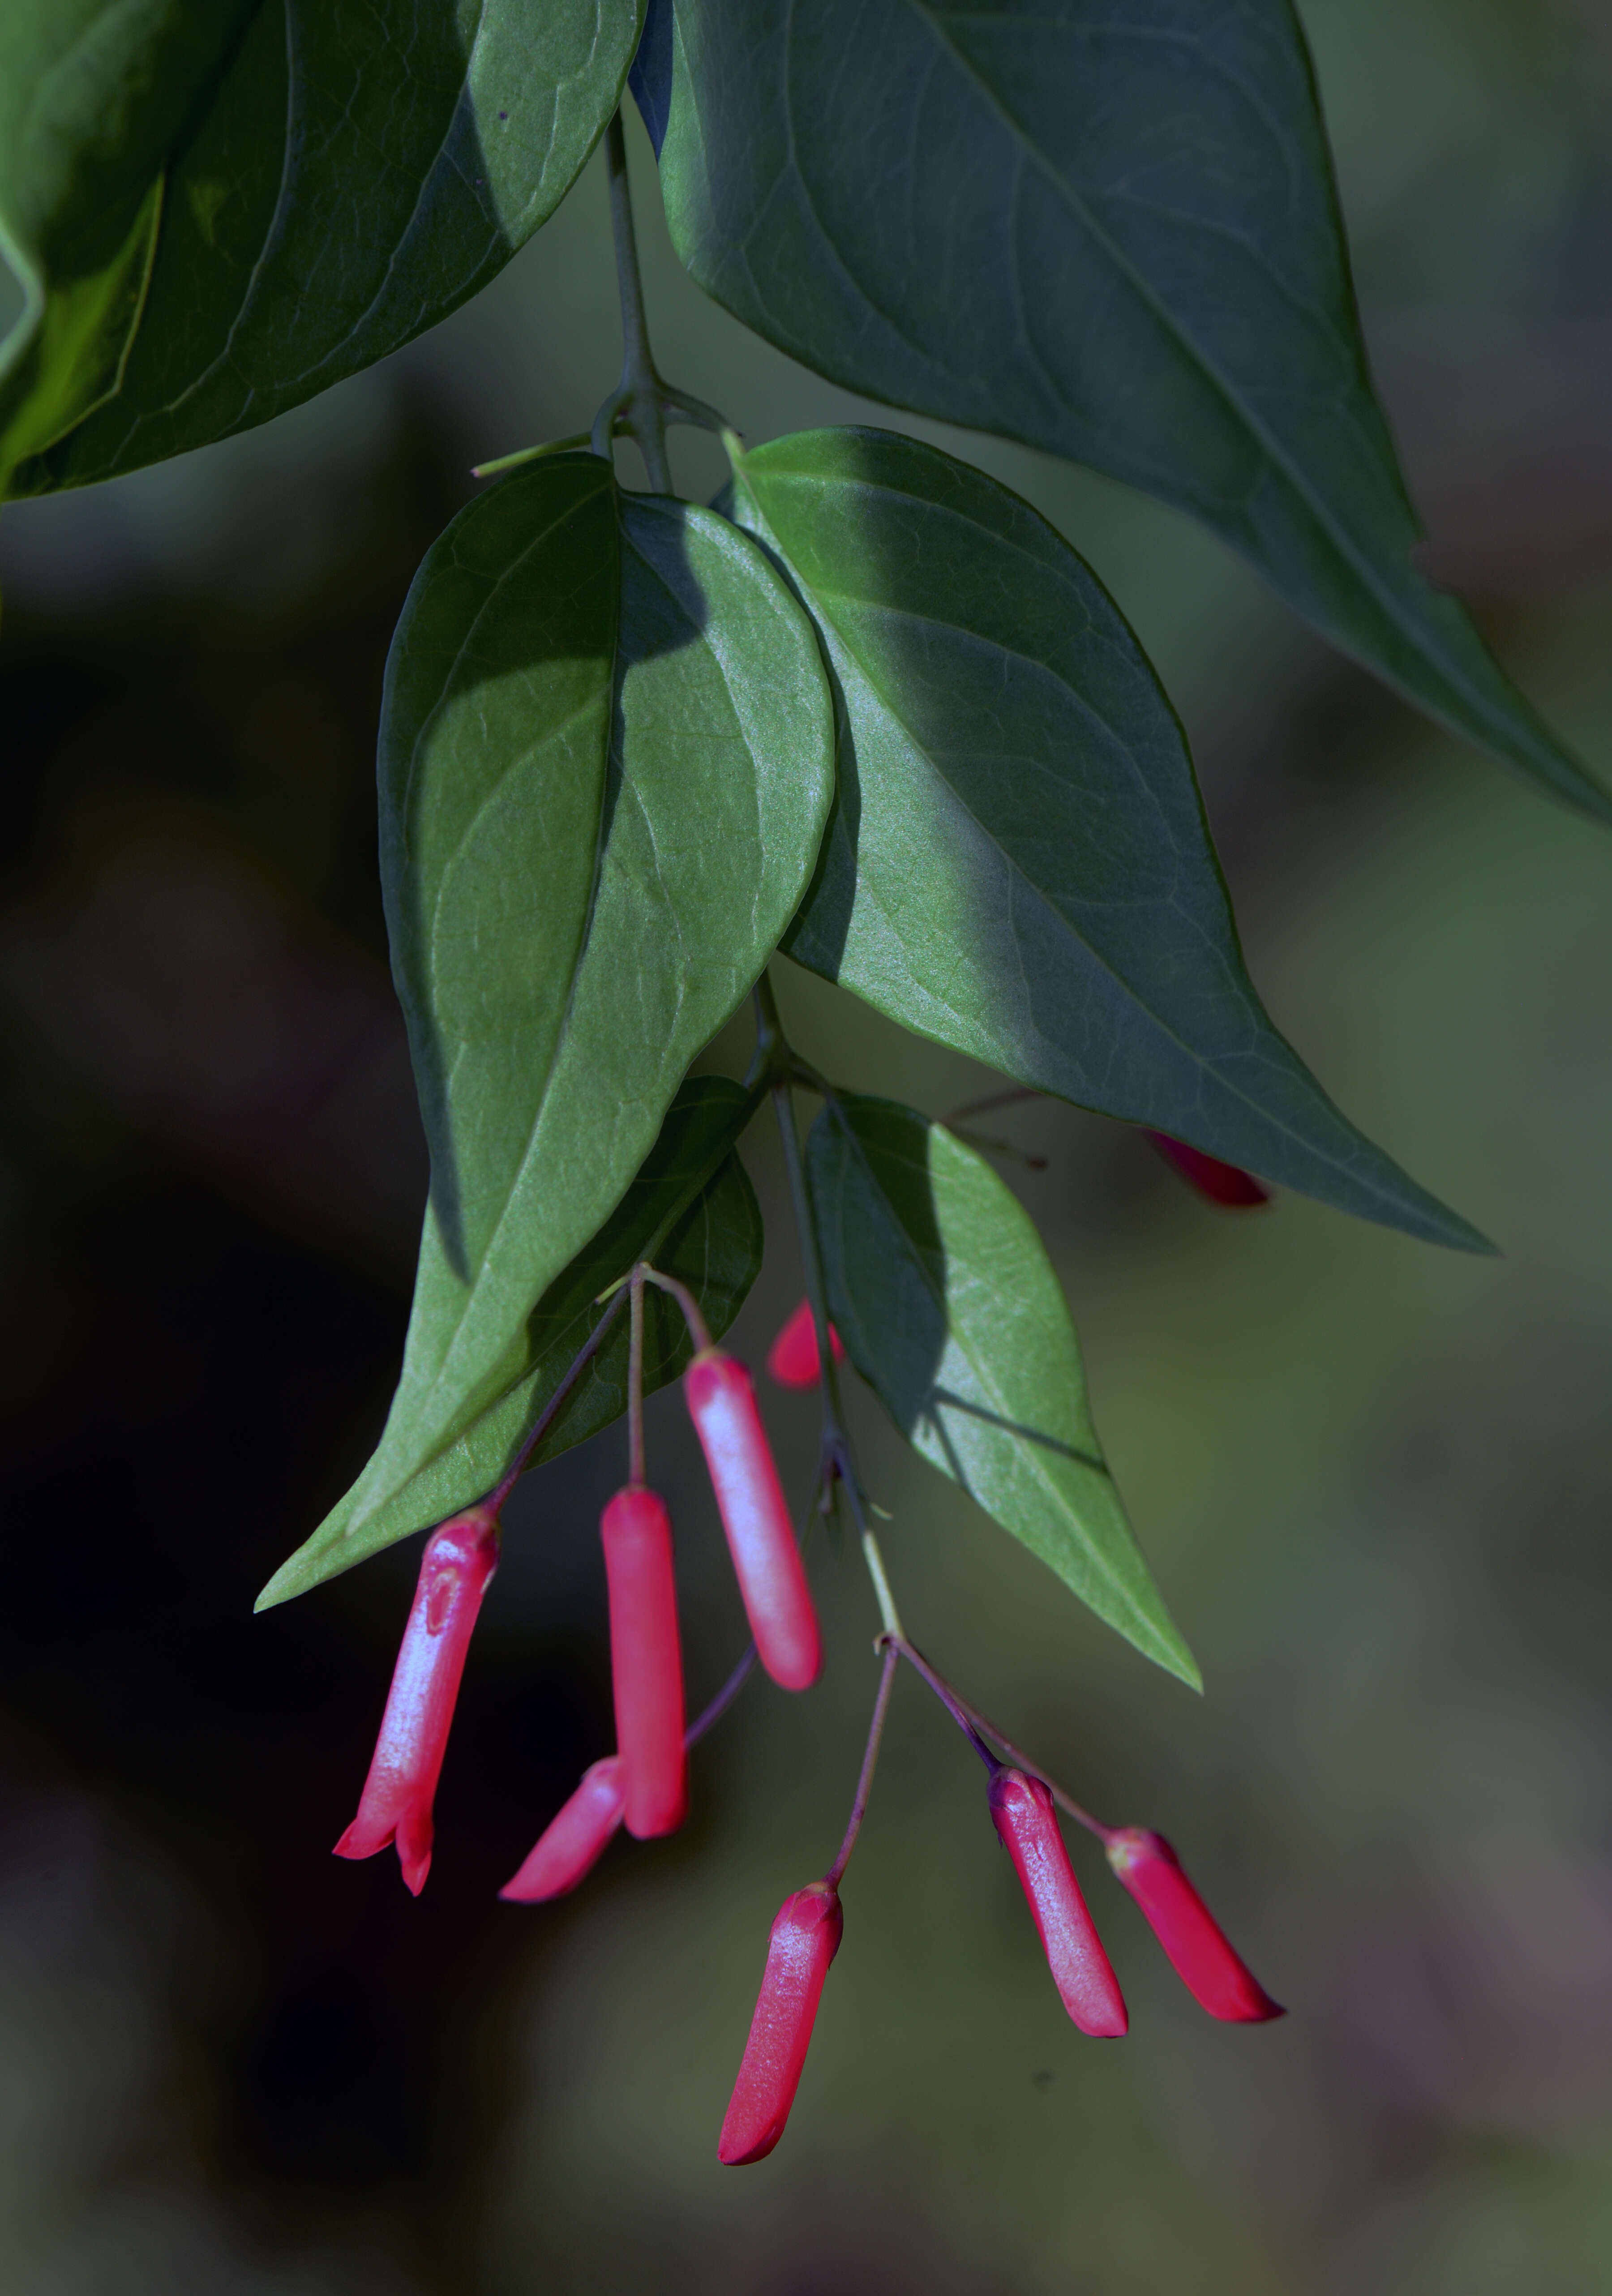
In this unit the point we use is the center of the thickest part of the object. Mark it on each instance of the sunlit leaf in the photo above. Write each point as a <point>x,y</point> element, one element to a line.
<point>950,1311</point>
<point>1018,863</point>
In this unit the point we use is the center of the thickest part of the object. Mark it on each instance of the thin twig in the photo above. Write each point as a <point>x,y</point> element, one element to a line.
<point>698,1329</point>
<point>723,1700</point>
<point>635,1380</point>
<point>948,1699</point>
<point>546,1419</point>
<point>641,393</point>
<point>881,1706</point>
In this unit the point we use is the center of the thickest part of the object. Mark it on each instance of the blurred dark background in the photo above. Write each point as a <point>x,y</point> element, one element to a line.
<point>1374,1481</point>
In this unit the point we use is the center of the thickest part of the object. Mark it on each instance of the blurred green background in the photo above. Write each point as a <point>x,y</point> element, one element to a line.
<point>1373,1480</point>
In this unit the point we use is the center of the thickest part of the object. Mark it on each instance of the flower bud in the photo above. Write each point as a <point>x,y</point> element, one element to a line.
<point>792,1358</point>
<point>460,1558</point>
<point>1183,1924</point>
<point>1222,1184</point>
<point>1021,1811</point>
<point>574,1840</point>
<point>760,1537</point>
<point>645,1660</point>
<point>805,1938</point>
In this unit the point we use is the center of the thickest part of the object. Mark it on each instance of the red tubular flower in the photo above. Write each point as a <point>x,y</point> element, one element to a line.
<point>1021,1811</point>
<point>645,1660</point>
<point>772,1579</point>
<point>575,1838</point>
<point>805,1938</point>
<point>1183,1924</point>
<point>460,1558</point>
<point>792,1358</point>
<point>1222,1184</point>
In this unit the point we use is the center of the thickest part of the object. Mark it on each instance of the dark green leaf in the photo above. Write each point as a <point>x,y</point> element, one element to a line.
<point>1018,863</point>
<point>1109,230</point>
<point>691,1210</point>
<point>607,758</point>
<point>333,177</point>
<point>950,1311</point>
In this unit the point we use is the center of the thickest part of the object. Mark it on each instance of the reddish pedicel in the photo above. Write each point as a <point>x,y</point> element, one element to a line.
<point>1021,1811</point>
<point>459,1560</point>
<point>645,1660</point>
<point>575,1838</point>
<point>792,1360</point>
<point>1222,1184</point>
<point>772,1579</point>
<point>805,1938</point>
<point>1183,1924</point>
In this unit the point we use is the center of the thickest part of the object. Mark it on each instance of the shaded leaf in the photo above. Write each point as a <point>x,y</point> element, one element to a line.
<point>950,1311</point>
<point>691,1210</point>
<point>1106,228</point>
<point>332,178</point>
<point>1018,863</point>
<point>605,763</point>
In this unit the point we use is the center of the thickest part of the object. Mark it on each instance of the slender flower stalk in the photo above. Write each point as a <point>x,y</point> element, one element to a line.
<point>1021,1811</point>
<point>459,1560</point>
<point>1215,1976</point>
<point>792,1358</point>
<point>645,1660</point>
<point>575,1838</point>
<point>1227,1185</point>
<point>772,1578</point>
<point>805,1938</point>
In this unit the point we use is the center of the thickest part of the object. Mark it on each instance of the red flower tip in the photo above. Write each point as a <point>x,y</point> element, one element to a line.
<point>575,1838</point>
<point>760,1538</point>
<point>805,1938</point>
<point>645,1660</point>
<point>1183,1924</point>
<point>460,1558</point>
<point>1222,1184</point>
<point>792,1358</point>
<point>1021,1811</point>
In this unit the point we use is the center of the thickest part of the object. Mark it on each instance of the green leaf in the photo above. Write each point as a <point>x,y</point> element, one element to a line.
<point>332,176</point>
<point>607,759</point>
<point>950,1311</point>
<point>1018,863</point>
<point>691,1210</point>
<point>1110,231</point>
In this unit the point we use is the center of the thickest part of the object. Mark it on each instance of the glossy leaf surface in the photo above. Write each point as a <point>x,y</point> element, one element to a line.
<point>950,1311</point>
<point>1018,863</point>
<point>326,178</point>
<point>605,763</point>
<point>1106,228</point>
<point>692,1211</point>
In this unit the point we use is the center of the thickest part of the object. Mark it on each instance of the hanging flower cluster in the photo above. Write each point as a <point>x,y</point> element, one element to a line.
<point>643,1785</point>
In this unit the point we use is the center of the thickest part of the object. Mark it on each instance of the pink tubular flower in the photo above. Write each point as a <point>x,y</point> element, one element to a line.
<point>575,1838</point>
<point>805,1938</point>
<point>1222,1184</point>
<point>1021,1811</point>
<point>460,1558</point>
<point>760,1538</point>
<point>1183,1924</point>
<point>645,1660</point>
<point>792,1358</point>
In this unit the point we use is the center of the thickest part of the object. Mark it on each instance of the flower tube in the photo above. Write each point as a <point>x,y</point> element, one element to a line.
<point>1216,1976</point>
<point>792,1358</point>
<point>574,1840</point>
<point>645,1661</point>
<point>1021,1811</point>
<point>760,1537</point>
<point>1227,1185</point>
<point>805,1938</point>
<point>459,1560</point>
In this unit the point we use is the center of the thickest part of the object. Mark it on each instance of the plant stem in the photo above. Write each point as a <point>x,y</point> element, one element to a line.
<point>638,395</point>
<point>723,1700</point>
<point>635,1382</point>
<point>550,1411</point>
<point>698,1329</point>
<point>838,1461</point>
<point>960,1714</point>
<point>881,1706</point>
<point>970,1719</point>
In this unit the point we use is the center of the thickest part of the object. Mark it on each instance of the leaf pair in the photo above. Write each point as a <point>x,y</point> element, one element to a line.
<point>1106,228</point>
<point>218,207</point>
